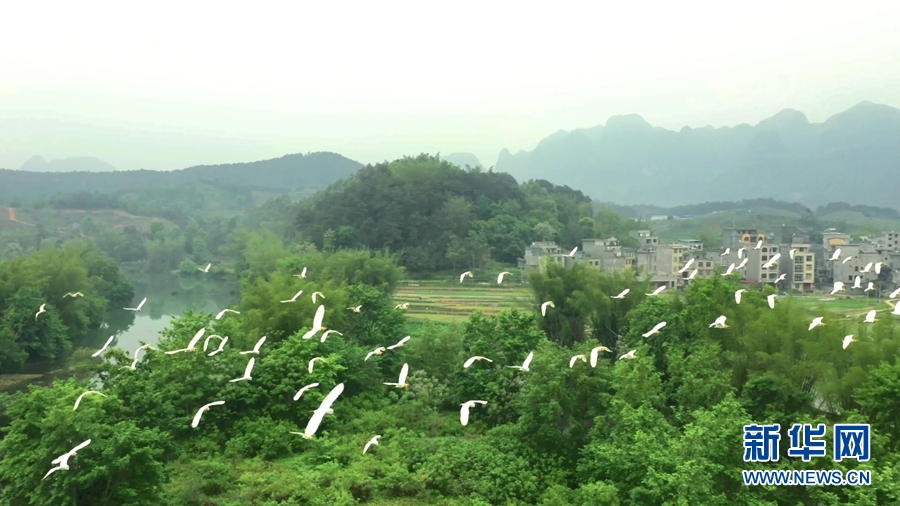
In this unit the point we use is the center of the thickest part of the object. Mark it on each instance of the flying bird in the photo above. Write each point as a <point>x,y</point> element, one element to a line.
<point>870,317</point>
<point>255,350</point>
<point>312,363</point>
<point>101,350</point>
<point>313,425</point>
<point>206,341</point>
<point>596,351</point>
<point>737,295</point>
<point>729,270</point>
<point>771,300</point>
<point>401,381</point>
<point>304,389</point>
<point>405,305</point>
<point>376,351</point>
<point>726,252</point>
<point>846,259</point>
<point>791,253</point>
<point>719,323</point>
<point>373,441</point>
<point>868,267</point>
<point>192,346</point>
<point>399,343</point>
<point>772,261</point>
<point>294,298</point>
<point>63,460</point>
<point>817,321</point>
<point>246,376</point>
<point>314,296</point>
<point>204,269</point>
<point>836,255</point>
<point>692,274</point>
<point>878,267</point>
<point>759,244</point>
<point>686,266</point>
<point>76,294</point>
<point>575,359</point>
<point>780,278</point>
<point>838,287</point>
<point>356,309</point>
<point>525,364</point>
<point>472,360</point>
<point>544,307</point>
<point>743,263</point>
<point>325,334</point>
<point>317,322</point>
<point>896,310</point>
<point>302,273</point>
<point>41,310</point>
<point>464,411</point>
<point>870,287</point>
<point>857,283</point>
<point>89,392</point>
<point>623,294</point>
<point>630,355</point>
<point>894,294</point>
<point>463,275</point>
<point>204,409</point>
<point>133,366</point>
<point>138,308</point>
<point>740,252</point>
<point>222,313</point>
<point>500,277</point>
<point>655,330</point>
<point>657,291</point>
<point>572,253</point>
<point>847,340</point>
<point>220,348</point>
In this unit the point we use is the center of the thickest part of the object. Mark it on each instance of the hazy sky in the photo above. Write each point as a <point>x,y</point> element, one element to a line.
<point>174,84</point>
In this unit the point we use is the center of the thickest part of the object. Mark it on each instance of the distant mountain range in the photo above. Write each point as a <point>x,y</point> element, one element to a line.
<point>74,164</point>
<point>279,175</point>
<point>462,159</point>
<point>853,156</point>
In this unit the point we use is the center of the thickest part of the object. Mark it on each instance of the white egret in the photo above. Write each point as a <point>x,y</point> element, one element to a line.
<point>836,255</point>
<point>622,294</point>
<point>76,294</point>
<point>323,409</point>
<point>771,300</point>
<point>204,269</point>
<point>575,359</point>
<point>304,389</point>
<point>878,267</point>
<point>596,351</point>
<point>896,310</point>
<point>726,252</point>
<point>525,364</point>
<point>500,277</point>
<point>655,330</point>
<point>220,348</point>
<point>468,363</point>
<point>138,308</point>
<point>405,305</point>
<point>657,291</point>
<point>894,294</point>
<point>41,310</point>
<point>101,350</point>
<point>312,363</point>
<point>544,307</point>
<point>222,313</point>
<point>737,295</point>
<point>686,266</point>
<point>857,283</point>
<point>373,441</point>
<point>846,259</point>
<point>206,341</point>
<point>202,410</point>
<point>693,274</point>
<point>743,263</point>
<point>781,278</point>
<point>399,344</point>
<point>256,347</point>
<point>630,355</point>
<point>401,381</point>
<point>463,275</point>
<point>89,392</point>
<point>356,309</point>
<point>870,317</point>
<point>759,244</point>
<point>314,296</point>
<point>817,321</point>
<point>317,322</point>
<point>376,351</point>
<point>740,252</point>
<point>729,270</point>
<point>870,287</point>
<point>246,376</point>
<point>63,460</point>
<point>464,411</point>
<point>792,252</point>
<point>302,274</point>
<point>327,332</point>
<point>136,354</point>
<point>192,346</point>
<point>838,287</point>
<point>572,253</point>
<point>772,261</point>
<point>294,298</point>
<point>868,267</point>
<point>719,323</point>
<point>847,340</point>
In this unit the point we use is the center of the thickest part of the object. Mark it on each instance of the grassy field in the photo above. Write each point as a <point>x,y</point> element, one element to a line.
<point>846,306</point>
<point>445,302</point>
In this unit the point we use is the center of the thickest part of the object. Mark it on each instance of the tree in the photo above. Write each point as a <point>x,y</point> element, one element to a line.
<point>543,231</point>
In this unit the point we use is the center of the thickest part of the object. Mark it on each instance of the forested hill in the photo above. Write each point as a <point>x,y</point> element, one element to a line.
<point>785,157</point>
<point>435,215</point>
<point>282,175</point>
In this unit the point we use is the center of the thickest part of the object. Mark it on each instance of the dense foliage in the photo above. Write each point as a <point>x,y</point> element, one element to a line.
<point>46,277</point>
<point>662,429</point>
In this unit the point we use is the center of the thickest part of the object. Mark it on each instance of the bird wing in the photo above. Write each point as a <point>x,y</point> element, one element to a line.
<point>249,367</point>
<point>320,315</point>
<point>500,278</point>
<point>304,389</point>
<point>469,362</point>
<point>196,420</point>
<point>771,299</point>
<point>80,446</point>
<point>404,371</point>
<point>594,353</point>
<point>544,309</point>
<point>572,361</point>
<point>370,443</point>
<point>528,360</point>
<point>78,401</point>
<point>312,362</point>
<point>464,413</point>
<point>331,397</point>
<point>737,296</point>
<point>139,306</point>
<point>870,316</point>
<point>196,338</point>
<point>259,343</point>
<point>573,251</point>
<point>51,471</point>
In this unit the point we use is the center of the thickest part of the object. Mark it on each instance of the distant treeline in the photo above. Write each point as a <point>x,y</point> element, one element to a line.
<point>645,211</point>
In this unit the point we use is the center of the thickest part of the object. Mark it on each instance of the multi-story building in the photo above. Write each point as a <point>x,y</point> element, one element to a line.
<point>800,272</point>
<point>644,238</point>
<point>734,238</point>
<point>540,250</point>
<point>887,241</point>
<point>860,255</point>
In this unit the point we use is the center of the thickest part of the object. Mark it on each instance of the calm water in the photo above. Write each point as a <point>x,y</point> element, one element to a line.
<point>166,298</point>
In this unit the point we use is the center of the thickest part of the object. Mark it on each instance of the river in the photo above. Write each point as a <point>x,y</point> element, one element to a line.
<point>166,297</point>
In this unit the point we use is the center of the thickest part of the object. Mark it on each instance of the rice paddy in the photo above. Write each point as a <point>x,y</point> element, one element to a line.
<point>448,303</point>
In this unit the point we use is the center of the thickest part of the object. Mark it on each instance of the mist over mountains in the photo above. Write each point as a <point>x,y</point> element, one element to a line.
<point>73,164</point>
<point>853,156</point>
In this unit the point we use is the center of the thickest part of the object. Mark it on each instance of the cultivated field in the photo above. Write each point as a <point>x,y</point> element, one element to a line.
<point>445,302</point>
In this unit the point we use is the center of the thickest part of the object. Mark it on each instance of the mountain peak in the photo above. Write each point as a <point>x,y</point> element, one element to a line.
<point>72,164</point>
<point>462,159</point>
<point>628,122</point>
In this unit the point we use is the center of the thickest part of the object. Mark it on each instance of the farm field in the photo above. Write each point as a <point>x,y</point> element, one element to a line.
<point>846,306</point>
<point>448,303</point>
